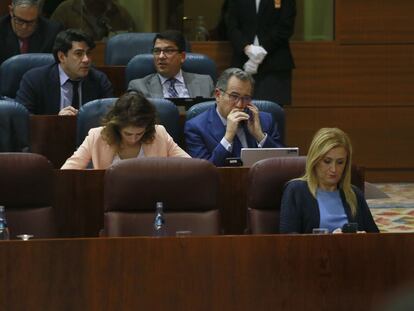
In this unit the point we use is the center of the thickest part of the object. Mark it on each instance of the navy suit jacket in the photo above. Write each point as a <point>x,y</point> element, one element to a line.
<point>39,89</point>
<point>299,210</point>
<point>204,132</point>
<point>41,41</point>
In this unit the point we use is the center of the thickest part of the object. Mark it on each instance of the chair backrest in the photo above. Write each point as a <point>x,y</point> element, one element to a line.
<point>14,127</point>
<point>121,48</point>
<point>90,115</point>
<point>142,65</point>
<point>187,187</point>
<point>26,190</point>
<point>13,69</point>
<point>266,182</point>
<point>274,109</point>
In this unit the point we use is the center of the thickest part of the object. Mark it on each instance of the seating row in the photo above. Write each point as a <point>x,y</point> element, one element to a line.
<point>141,65</point>
<point>132,187</point>
<point>14,136</point>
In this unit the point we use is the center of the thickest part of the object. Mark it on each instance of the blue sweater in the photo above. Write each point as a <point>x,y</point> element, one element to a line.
<point>299,212</point>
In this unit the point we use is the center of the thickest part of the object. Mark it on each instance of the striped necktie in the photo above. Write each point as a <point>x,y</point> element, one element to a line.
<point>172,92</point>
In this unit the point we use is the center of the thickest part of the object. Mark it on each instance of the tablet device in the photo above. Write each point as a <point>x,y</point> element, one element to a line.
<point>250,156</point>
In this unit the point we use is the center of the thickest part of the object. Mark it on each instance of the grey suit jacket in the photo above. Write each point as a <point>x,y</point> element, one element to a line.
<point>197,85</point>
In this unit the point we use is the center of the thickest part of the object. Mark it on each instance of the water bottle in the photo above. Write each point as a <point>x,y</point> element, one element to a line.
<point>159,221</point>
<point>201,32</point>
<point>4,230</point>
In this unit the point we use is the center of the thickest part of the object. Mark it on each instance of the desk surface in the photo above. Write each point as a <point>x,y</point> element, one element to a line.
<point>285,272</point>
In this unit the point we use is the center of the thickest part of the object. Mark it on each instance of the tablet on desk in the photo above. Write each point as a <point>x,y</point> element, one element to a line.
<point>250,156</point>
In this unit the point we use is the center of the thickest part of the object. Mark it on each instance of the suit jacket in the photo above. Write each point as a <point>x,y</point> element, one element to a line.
<point>41,40</point>
<point>273,26</point>
<point>95,148</point>
<point>197,85</point>
<point>204,132</point>
<point>299,212</point>
<point>39,89</point>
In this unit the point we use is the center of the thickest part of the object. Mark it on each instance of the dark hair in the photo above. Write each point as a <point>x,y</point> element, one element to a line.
<point>64,39</point>
<point>171,35</point>
<point>131,109</point>
<point>224,78</point>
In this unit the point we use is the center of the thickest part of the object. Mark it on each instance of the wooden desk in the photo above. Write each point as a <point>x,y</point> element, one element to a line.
<point>78,201</point>
<point>53,136</point>
<point>340,272</point>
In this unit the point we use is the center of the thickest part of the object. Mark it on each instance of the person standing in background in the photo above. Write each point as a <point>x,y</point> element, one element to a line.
<point>259,31</point>
<point>23,30</point>
<point>98,18</point>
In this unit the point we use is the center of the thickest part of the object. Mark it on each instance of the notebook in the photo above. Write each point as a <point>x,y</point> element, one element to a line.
<point>250,156</point>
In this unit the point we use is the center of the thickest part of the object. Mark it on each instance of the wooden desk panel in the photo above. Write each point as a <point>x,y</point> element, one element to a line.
<point>53,136</point>
<point>334,75</point>
<point>291,272</point>
<point>79,194</point>
<point>382,137</point>
<point>374,21</point>
<point>116,74</point>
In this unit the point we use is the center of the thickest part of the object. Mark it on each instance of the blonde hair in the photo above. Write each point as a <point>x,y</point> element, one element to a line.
<point>325,140</point>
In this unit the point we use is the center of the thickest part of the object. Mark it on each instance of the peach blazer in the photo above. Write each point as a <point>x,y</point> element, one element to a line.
<point>95,148</point>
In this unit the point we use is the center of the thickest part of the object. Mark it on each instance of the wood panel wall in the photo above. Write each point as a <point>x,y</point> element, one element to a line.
<point>4,7</point>
<point>374,21</point>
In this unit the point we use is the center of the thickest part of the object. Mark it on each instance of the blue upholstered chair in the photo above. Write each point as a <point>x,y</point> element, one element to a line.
<point>91,114</point>
<point>122,47</point>
<point>143,65</point>
<point>13,69</point>
<point>274,109</point>
<point>14,127</point>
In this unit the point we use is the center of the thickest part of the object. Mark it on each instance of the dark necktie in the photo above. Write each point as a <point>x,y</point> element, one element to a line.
<point>75,93</point>
<point>24,48</point>
<point>172,92</point>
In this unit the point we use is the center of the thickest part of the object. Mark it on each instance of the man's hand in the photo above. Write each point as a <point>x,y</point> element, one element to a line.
<point>253,125</point>
<point>234,118</point>
<point>68,111</point>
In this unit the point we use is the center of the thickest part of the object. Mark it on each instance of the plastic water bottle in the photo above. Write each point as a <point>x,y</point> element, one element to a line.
<point>159,221</point>
<point>201,32</point>
<point>4,230</point>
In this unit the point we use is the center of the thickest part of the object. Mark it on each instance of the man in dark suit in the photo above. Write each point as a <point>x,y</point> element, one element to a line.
<point>25,31</point>
<point>170,80</point>
<point>63,87</point>
<point>221,131</point>
<point>259,31</point>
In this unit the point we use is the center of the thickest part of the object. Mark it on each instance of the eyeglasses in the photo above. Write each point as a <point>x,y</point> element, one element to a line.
<point>167,51</point>
<point>19,21</point>
<point>234,98</point>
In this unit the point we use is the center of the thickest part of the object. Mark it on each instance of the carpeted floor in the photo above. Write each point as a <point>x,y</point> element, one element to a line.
<point>394,213</point>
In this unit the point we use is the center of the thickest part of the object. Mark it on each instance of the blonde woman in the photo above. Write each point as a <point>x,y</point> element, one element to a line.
<point>324,196</point>
<point>128,131</point>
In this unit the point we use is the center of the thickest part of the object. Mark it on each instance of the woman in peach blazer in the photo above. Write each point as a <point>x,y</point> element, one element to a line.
<point>128,131</point>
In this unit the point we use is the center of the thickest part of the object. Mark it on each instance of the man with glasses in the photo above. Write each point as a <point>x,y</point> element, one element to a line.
<point>233,123</point>
<point>63,87</point>
<point>170,81</point>
<point>25,31</point>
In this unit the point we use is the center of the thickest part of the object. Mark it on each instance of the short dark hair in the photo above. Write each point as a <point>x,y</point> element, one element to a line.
<point>172,35</point>
<point>131,109</point>
<point>224,78</point>
<point>64,39</point>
